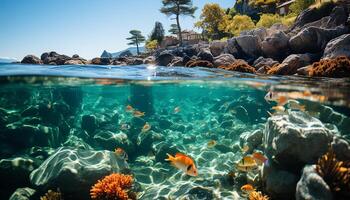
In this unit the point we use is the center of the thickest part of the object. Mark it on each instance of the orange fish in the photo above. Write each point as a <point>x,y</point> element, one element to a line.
<point>129,108</point>
<point>184,163</point>
<point>247,164</point>
<point>121,153</point>
<point>146,127</point>
<point>137,113</point>
<point>177,109</point>
<point>248,188</point>
<point>259,158</point>
<point>282,97</point>
<point>212,143</point>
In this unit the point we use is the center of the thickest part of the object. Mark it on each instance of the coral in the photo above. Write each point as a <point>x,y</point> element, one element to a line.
<point>52,195</point>
<point>240,66</point>
<point>337,68</point>
<point>114,186</point>
<point>335,173</point>
<point>199,63</point>
<point>274,69</point>
<point>257,196</point>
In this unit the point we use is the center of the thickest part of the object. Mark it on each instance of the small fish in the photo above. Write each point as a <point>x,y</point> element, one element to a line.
<point>137,113</point>
<point>177,110</point>
<point>121,153</point>
<point>146,127</point>
<point>129,108</point>
<point>245,148</point>
<point>259,158</point>
<point>295,105</point>
<point>248,188</point>
<point>184,163</point>
<point>211,143</point>
<point>247,164</point>
<point>272,96</point>
<point>282,97</point>
<point>125,127</point>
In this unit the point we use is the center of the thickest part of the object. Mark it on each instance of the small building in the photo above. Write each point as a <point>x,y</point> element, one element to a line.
<point>191,36</point>
<point>283,8</point>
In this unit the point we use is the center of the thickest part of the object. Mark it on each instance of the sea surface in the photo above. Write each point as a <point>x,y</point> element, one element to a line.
<point>203,113</point>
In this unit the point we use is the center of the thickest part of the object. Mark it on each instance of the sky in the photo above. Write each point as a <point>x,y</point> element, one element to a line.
<point>84,27</point>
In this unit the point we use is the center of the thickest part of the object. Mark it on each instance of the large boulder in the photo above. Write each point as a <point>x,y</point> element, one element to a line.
<point>264,62</point>
<point>339,46</point>
<point>164,58</point>
<point>205,54</point>
<point>224,60</point>
<point>296,139</point>
<point>314,39</point>
<point>31,59</point>
<point>291,64</point>
<point>53,58</point>
<point>276,45</point>
<point>261,33</point>
<point>246,47</point>
<point>311,186</point>
<point>75,171</point>
<point>217,47</point>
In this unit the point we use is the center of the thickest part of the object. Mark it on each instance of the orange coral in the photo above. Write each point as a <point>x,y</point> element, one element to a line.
<point>114,186</point>
<point>52,195</point>
<point>337,68</point>
<point>257,196</point>
<point>240,66</point>
<point>281,69</point>
<point>199,63</point>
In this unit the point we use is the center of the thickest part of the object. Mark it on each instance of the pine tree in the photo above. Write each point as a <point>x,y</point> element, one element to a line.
<point>157,33</point>
<point>173,29</point>
<point>177,8</point>
<point>136,39</point>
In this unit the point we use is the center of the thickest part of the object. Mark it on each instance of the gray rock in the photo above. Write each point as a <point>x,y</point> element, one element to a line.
<point>217,47</point>
<point>205,54</point>
<point>261,33</point>
<point>23,194</point>
<point>292,63</point>
<point>31,59</point>
<point>150,60</point>
<point>328,115</point>
<point>74,62</point>
<point>339,46</point>
<point>281,184</point>
<point>164,58</point>
<point>89,123</point>
<point>264,62</point>
<point>341,148</point>
<point>110,141</point>
<point>100,61</point>
<point>245,46</point>
<point>276,45</point>
<point>75,171</point>
<point>200,193</point>
<point>314,39</point>
<point>224,60</point>
<point>295,139</point>
<point>252,139</point>
<point>311,186</point>
<point>177,61</point>
<point>135,61</point>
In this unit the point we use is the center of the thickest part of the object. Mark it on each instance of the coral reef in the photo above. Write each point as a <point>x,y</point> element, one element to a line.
<point>335,173</point>
<point>52,195</point>
<point>336,68</point>
<point>199,63</point>
<point>257,196</point>
<point>114,186</point>
<point>240,66</point>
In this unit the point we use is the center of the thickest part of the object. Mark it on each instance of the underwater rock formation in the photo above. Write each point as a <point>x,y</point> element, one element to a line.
<point>312,186</point>
<point>296,139</point>
<point>74,171</point>
<point>23,194</point>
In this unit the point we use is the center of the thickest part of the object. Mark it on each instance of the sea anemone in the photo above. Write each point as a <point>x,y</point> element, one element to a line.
<point>337,68</point>
<point>115,186</point>
<point>240,66</point>
<point>199,63</point>
<point>335,173</point>
<point>257,196</point>
<point>52,195</point>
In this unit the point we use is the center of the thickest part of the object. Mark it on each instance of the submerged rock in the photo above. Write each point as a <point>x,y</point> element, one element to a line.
<point>75,171</point>
<point>296,139</point>
<point>23,194</point>
<point>280,184</point>
<point>311,186</point>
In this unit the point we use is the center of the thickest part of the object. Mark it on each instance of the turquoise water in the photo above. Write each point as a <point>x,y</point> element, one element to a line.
<point>45,110</point>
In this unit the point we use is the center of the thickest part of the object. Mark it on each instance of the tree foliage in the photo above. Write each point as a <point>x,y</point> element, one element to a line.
<point>136,39</point>
<point>267,20</point>
<point>177,8</point>
<point>237,24</point>
<point>151,45</point>
<point>300,5</point>
<point>211,19</point>
<point>174,29</point>
<point>157,32</point>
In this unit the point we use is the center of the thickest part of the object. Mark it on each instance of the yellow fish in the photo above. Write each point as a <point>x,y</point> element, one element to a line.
<point>247,164</point>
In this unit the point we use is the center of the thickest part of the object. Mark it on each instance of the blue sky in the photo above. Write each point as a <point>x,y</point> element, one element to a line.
<point>85,27</point>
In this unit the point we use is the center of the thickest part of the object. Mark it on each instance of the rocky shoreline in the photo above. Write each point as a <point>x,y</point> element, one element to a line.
<point>317,44</point>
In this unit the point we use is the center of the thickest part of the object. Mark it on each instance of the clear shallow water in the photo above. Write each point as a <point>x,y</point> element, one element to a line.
<point>84,107</point>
